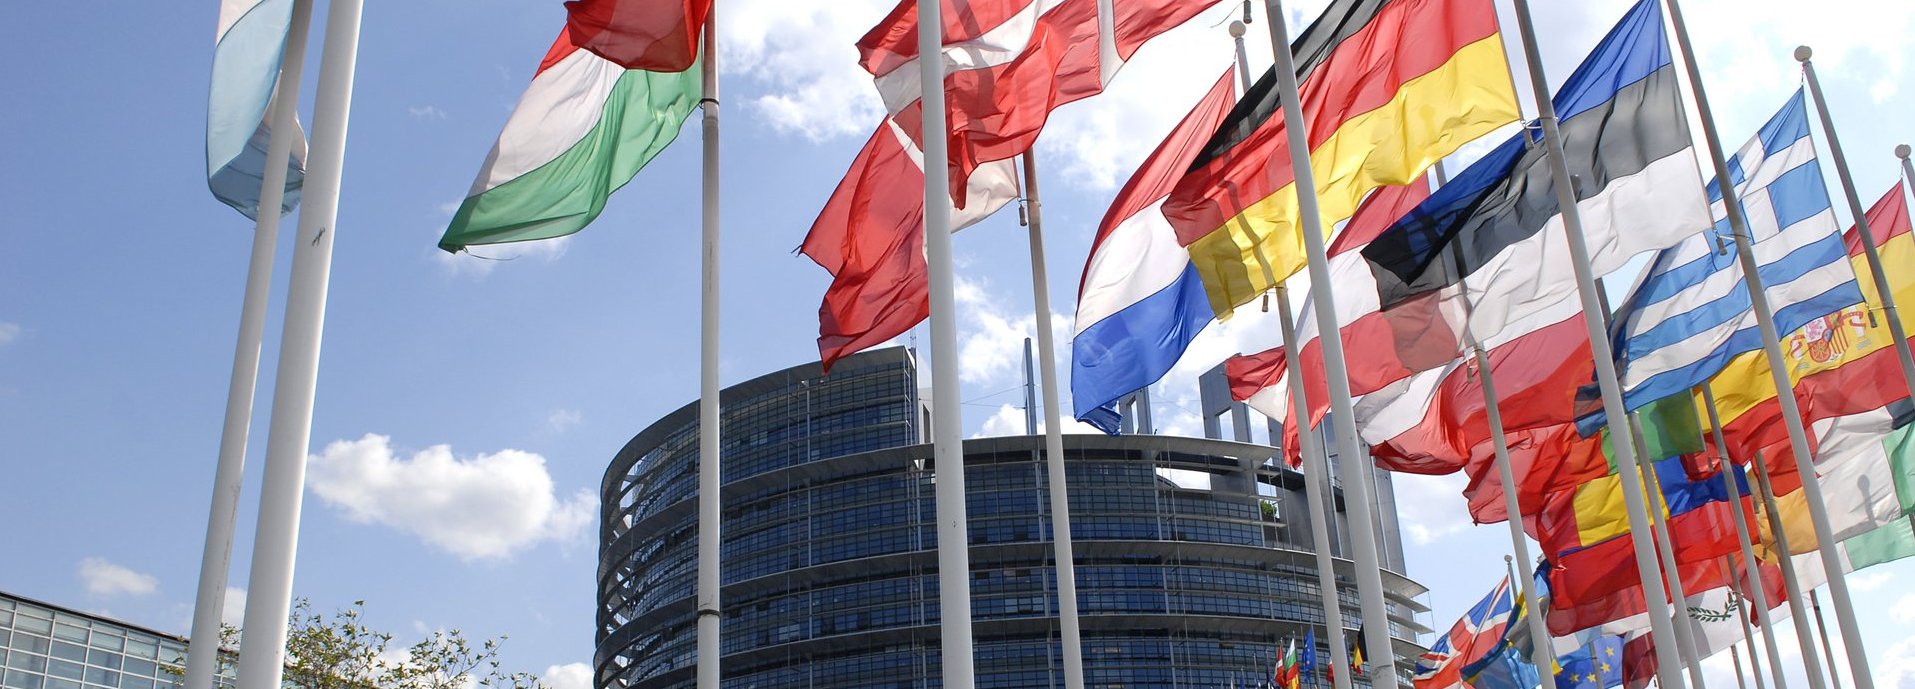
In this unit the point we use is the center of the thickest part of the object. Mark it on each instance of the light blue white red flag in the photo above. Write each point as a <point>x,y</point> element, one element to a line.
<point>246,60</point>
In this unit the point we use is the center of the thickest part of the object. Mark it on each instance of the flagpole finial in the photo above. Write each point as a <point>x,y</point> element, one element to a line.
<point>1803,53</point>
<point>1902,151</point>
<point>1508,559</point>
<point>1236,29</point>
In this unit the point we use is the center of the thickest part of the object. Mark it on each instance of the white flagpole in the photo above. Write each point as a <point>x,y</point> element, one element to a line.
<point>1054,439</point>
<point>216,560</point>
<point>1748,633</point>
<point>1736,658</point>
<point>1804,637</point>
<point>1908,170</point>
<point>1317,497</point>
<point>1822,630</point>
<point>1594,317</point>
<point>710,484</point>
<point>1882,287</point>
<point>289,435</point>
<point>1659,522</point>
<point>1771,344</point>
<point>1752,572</point>
<point>1542,653</point>
<point>1359,505</point>
<point>947,424</point>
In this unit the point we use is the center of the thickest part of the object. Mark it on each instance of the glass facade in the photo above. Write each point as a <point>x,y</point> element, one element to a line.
<point>49,647</point>
<point>1186,576</point>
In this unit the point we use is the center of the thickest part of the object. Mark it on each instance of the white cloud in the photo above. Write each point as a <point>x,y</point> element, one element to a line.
<point>105,579</point>
<point>426,112</point>
<point>1897,667</point>
<point>568,676</point>
<point>1904,610</point>
<point>562,420</point>
<point>232,609</point>
<point>805,59</point>
<point>1009,420</point>
<point>1869,581</point>
<point>9,332</point>
<point>485,507</point>
<point>1431,507</point>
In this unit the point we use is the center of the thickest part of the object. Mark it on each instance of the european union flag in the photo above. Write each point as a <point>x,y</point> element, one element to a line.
<point>1597,665</point>
<point>1308,664</point>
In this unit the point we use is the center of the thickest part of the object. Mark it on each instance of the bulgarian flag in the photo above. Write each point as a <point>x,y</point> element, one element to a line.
<point>588,123</point>
<point>1288,675</point>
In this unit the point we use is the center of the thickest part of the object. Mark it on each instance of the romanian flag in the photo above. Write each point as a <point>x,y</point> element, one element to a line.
<point>1842,364</point>
<point>1388,87</point>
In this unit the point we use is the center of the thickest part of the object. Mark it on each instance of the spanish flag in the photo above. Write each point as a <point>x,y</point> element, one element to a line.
<point>1388,87</point>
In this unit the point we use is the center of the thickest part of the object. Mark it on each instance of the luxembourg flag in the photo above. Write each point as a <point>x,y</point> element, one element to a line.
<point>246,57</point>
<point>1141,302</point>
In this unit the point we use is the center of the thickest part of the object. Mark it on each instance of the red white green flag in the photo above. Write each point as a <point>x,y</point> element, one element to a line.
<point>584,128</point>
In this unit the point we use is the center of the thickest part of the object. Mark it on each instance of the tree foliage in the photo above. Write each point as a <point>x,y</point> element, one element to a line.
<point>341,652</point>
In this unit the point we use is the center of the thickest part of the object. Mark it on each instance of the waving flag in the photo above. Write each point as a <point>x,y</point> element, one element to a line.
<point>585,127</point>
<point>655,35</point>
<point>1388,87</point>
<point>246,58</point>
<point>1490,245</point>
<point>1008,64</point>
<point>1690,314</point>
<point>1472,639</point>
<point>1140,302</point>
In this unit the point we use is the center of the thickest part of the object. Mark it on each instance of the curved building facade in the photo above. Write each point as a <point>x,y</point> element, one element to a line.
<point>1189,569</point>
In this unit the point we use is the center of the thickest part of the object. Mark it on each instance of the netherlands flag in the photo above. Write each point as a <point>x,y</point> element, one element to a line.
<point>1140,302</point>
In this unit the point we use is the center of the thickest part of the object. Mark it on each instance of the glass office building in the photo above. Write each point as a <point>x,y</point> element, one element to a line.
<point>46,646</point>
<point>1190,569</point>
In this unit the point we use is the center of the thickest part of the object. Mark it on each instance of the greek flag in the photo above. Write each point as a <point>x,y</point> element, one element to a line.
<point>246,60</point>
<point>1690,313</point>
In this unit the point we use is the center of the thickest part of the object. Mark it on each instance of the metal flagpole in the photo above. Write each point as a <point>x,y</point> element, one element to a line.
<point>1822,630</point>
<point>1053,438</point>
<point>1811,663</point>
<point>1542,652</point>
<point>1771,344</point>
<point>1594,315</point>
<point>1030,389</point>
<point>216,560</point>
<point>710,485</point>
<point>1752,571</point>
<point>1317,497</point>
<point>1356,484</point>
<point>1748,633</point>
<point>1659,522</point>
<point>289,435</point>
<point>1882,288</point>
<point>1736,658</point>
<point>947,411</point>
<point>1908,170</point>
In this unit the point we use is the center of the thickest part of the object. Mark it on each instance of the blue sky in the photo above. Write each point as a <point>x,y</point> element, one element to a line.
<point>508,385</point>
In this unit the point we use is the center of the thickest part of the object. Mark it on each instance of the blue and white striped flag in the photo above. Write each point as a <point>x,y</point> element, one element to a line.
<point>246,57</point>
<point>1690,313</point>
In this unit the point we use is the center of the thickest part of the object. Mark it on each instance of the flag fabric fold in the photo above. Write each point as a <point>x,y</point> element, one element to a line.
<point>583,129</point>
<point>653,35</point>
<point>1388,88</point>
<point>248,50</point>
<point>1470,640</point>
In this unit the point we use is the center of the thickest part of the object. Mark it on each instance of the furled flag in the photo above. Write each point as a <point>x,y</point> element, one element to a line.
<point>1308,665</point>
<point>1140,303</point>
<point>1470,640</point>
<point>1690,313</point>
<point>1490,244</point>
<point>1388,88</point>
<point>247,53</point>
<point>585,126</point>
<point>1841,364</point>
<point>1008,64</point>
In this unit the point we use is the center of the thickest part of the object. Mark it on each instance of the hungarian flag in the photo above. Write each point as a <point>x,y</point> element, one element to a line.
<point>584,128</point>
<point>1388,88</point>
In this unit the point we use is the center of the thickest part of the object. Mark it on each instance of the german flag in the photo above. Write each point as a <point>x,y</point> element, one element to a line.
<point>1388,86</point>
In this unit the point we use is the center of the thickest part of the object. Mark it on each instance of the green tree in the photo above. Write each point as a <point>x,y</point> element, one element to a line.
<point>341,652</point>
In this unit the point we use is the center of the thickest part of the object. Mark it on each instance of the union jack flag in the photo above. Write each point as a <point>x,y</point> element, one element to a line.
<point>1471,639</point>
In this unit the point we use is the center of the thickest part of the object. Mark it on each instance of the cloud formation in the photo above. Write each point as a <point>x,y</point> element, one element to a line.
<point>489,506</point>
<point>568,676</point>
<point>106,579</point>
